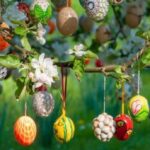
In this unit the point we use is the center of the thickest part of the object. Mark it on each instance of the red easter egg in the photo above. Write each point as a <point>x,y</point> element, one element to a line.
<point>25,130</point>
<point>4,44</point>
<point>23,7</point>
<point>124,127</point>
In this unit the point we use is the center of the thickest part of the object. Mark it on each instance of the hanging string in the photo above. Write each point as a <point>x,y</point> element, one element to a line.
<point>138,81</point>
<point>69,3</point>
<point>64,86</point>
<point>104,98</point>
<point>25,108</point>
<point>123,98</point>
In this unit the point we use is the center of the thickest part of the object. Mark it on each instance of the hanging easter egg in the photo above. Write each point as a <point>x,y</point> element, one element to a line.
<point>67,21</point>
<point>64,129</point>
<point>103,34</point>
<point>133,16</point>
<point>116,1</point>
<point>25,130</point>
<point>43,103</point>
<point>139,108</point>
<point>96,9</point>
<point>86,23</point>
<point>23,7</point>
<point>124,127</point>
<point>42,10</point>
<point>104,127</point>
<point>3,72</point>
<point>3,43</point>
<point>59,3</point>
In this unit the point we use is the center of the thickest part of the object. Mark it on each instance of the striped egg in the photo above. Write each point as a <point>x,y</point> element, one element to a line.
<point>96,9</point>
<point>64,129</point>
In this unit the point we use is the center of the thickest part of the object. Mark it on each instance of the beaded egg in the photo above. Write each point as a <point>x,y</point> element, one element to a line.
<point>104,127</point>
<point>96,9</point>
<point>25,130</point>
<point>124,127</point>
<point>139,108</point>
<point>64,129</point>
<point>43,103</point>
<point>67,21</point>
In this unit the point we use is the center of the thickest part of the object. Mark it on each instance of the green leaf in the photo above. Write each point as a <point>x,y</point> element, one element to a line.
<point>42,15</point>
<point>10,61</point>
<point>90,54</point>
<point>25,43</point>
<point>78,68</point>
<point>21,88</point>
<point>22,31</point>
<point>144,35</point>
<point>48,13</point>
<point>38,11</point>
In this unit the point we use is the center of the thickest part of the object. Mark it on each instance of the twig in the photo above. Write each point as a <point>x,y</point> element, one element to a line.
<point>5,33</point>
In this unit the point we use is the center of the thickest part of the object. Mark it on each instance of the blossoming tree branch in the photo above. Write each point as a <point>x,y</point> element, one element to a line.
<point>39,36</point>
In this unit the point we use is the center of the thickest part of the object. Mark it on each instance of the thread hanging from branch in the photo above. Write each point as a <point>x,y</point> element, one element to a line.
<point>25,108</point>
<point>104,91</point>
<point>138,81</point>
<point>123,98</point>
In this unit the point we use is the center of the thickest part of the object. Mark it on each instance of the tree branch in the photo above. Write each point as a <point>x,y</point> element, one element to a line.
<point>69,64</point>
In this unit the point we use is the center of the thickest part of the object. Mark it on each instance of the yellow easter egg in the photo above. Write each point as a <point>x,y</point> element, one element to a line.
<point>64,129</point>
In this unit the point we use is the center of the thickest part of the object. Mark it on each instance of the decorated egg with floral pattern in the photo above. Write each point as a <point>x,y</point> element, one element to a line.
<point>124,127</point>
<point>139,108</point>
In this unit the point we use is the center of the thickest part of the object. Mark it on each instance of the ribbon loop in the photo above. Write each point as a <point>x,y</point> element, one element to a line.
<point>64,86</point>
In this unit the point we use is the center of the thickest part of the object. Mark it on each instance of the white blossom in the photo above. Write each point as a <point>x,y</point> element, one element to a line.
<point>40,34</point>
<point>78,50</point>
<point>43,3</point>
<point>44,71</point>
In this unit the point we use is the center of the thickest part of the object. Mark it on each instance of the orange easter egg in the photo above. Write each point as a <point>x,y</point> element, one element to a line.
<point>25,130</point>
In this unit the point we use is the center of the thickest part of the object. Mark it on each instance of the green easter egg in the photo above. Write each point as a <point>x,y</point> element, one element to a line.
<point>139,108</point>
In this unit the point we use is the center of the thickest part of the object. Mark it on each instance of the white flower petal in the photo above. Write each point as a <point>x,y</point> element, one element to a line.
<point>35,63</point>
<point>41,58</point>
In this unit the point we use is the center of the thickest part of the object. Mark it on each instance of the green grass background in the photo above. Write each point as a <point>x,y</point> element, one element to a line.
<point>84,102</point>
